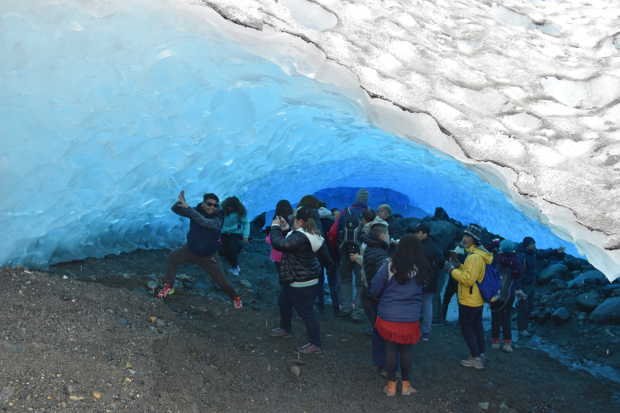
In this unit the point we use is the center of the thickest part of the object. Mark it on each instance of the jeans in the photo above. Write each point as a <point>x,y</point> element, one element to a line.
<point>501,319</point>
<point>392,350</point>
<point>231,247</point>
<point>351,270</point>
<point>302,300</point>
<point>470,319</point>
<point>524,307</point>
<point>209,263</point>
<point>427,312</point>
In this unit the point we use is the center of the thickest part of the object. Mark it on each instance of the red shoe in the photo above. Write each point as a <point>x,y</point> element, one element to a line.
<point>237,303</point>
<point>165,291</point>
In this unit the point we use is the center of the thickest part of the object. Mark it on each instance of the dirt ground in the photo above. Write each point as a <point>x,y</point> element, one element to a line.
<point>87,337</point>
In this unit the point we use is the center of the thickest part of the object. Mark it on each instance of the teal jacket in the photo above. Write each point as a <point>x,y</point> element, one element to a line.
<point>233,224</point>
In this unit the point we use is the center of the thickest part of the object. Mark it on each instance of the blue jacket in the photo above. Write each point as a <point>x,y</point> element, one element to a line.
<point>401,303</point>
<point>203,237</point>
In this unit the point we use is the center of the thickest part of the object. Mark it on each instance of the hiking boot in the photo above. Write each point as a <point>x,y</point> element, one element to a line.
<point>390,389</point>
<point>309,348</point>
<point>406,389</point>
<point>235,270</point>
<point>279,332</point>
<point>507,347</point>
<point>474,362</point>
<point>165,291</point>
<point>495,345</point>
<point>237,303</point>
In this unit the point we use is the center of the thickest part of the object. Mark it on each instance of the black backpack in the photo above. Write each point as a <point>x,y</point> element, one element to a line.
<point>347,236</point>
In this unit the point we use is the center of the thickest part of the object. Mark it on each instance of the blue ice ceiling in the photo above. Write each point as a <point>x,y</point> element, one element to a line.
<point>105,118</point>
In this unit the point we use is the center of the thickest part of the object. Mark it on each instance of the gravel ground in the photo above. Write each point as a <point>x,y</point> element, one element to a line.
<point>87,337</point>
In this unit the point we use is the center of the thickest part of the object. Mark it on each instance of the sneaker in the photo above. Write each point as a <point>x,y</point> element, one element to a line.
<point>235,270</point>
<point>237,303</point>
<point>474,362</point>
<point>507,347</point>
<point>426,337</point>
<point>406,389</point>
<point>524,333</point>
<point>495,345</point>
<point>390,389</point>
<point>309,348</point>
<point>165,291</point>
<point>279,332</point>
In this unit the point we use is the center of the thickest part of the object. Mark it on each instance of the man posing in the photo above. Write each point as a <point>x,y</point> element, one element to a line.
<point>203,242</point>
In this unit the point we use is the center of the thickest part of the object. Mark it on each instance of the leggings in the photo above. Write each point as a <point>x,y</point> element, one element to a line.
<point>231,247</point>
<point>391,350</point>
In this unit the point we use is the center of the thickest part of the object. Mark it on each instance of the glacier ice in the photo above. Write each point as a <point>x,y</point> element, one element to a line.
<point>109,108</point>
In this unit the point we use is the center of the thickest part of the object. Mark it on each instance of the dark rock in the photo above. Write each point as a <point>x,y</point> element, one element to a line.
<point>561,315</point>
<point>558,284</point>
<point>607,312</point>
<point>591,277</point>
<point>573,263</point>
<point>588,301</point>
<point>552,271</point>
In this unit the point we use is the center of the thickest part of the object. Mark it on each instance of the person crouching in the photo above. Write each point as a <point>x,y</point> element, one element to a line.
<point>299,274</point>
<point>398,287</point>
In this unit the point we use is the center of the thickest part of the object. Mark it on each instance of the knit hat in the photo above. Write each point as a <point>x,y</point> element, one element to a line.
<point>361,197</point>
<point>507,246</point>
<point>474,231</point>
<point>527,241</point>
<point>386,207</point>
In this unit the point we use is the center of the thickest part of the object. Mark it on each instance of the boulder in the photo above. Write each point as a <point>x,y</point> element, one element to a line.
<point>591,277</point>
<point>557,284</point>
<point>574,263</point>
<point>588,301</point>
<point>561,315</point>
<point>552,271</point>
<point>607,312</point>
<point>444,233</point>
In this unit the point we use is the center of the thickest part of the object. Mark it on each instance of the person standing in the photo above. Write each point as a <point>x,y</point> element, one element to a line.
<point>397,286</point>
<point>203,242</point>
<point>299,274</point>
<point>235,232</point>
<point>435,258</point>
<point>509,268</point>
<point>470,299</point>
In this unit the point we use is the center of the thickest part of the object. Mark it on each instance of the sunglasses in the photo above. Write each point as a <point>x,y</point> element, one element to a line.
<point>212,204</point>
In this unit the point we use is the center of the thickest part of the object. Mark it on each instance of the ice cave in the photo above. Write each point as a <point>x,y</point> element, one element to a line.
<point>501,116</point>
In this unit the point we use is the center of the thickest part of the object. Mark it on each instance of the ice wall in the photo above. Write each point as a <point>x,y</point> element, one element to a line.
<point>109,108</point>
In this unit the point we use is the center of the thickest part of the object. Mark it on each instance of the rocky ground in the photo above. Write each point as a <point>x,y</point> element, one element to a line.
<point>87,337</point>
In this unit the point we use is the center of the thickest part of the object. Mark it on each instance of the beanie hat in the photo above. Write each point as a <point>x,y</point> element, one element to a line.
<point>386,207</point>
<point>507,246</point>
<point>474,231</point>
<point>361,197</point>
<point>527,241</point>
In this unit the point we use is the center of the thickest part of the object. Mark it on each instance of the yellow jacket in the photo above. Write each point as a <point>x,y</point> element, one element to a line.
<point>468,273</point>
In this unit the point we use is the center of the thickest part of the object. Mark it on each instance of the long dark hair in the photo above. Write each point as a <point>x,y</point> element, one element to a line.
<point>309,201</point>
<point>232,204</point>
<point>409,258</point>
<point>284,209</point>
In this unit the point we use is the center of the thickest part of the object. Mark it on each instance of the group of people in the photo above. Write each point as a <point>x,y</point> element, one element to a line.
<point>395,275</point>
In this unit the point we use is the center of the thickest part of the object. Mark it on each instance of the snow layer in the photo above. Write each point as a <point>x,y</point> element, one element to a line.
<point>110,107</point>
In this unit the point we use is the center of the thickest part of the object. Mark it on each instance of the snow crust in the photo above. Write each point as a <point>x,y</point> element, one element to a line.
<point>110,107</point>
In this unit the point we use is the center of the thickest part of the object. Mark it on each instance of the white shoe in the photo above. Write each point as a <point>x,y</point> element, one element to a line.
<point>234,270</point>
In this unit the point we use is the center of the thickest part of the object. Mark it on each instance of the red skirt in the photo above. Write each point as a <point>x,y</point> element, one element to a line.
<point>401,333</point>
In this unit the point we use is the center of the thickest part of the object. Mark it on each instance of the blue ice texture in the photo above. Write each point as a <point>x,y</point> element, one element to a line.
<point>105,118</point>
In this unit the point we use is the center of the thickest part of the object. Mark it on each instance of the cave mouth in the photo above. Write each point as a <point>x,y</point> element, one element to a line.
<point>112,115</point>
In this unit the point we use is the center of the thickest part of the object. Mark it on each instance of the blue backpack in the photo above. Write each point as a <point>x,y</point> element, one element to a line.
<point>491,284</point>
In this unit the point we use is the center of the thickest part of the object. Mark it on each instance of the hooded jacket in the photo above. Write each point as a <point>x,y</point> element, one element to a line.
<point>375,254</point>
<point>400,303</point>
<point>234,224</point>
<point>203,237</point>
<point>470,272</point>
<point>304,253</point>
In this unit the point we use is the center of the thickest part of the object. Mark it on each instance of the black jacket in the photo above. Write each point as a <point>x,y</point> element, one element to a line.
<point>203,237</point>
<point>375,254</point>
<point>436,260</point>
<point>302,257</point>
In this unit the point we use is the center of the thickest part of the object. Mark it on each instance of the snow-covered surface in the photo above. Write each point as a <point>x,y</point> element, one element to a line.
<point>109,107</point>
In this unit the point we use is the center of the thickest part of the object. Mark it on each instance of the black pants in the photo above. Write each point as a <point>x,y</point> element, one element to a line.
<point>524,307</point>
<point>501,319</point>
<point>470,319</point>
<point>231,247</point>
<point>391,351</point>
<point>302,300</point>
<point>369,305</point>
<point>451,288</point>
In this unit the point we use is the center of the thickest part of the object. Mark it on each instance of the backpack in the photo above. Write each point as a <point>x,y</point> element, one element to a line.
<point>491,284</point>
<point>349,221</point>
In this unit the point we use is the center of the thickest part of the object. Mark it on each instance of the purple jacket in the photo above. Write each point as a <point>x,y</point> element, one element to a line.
<point>401,303</point>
